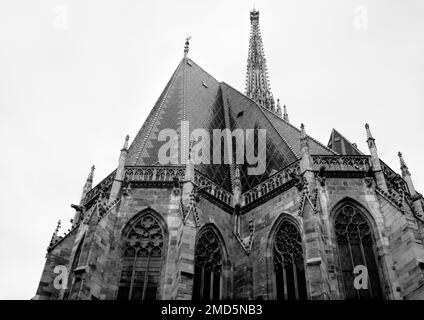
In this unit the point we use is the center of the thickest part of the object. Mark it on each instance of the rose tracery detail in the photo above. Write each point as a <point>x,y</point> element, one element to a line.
<point>144,238</point>
<point>208,252</point>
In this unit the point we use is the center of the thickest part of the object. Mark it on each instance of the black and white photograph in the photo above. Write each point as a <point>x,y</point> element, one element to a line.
<point>218,153</point>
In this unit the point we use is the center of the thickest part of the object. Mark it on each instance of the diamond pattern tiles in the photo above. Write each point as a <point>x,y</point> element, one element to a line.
<point>205,110</point>
<point>209,104</point>
<point>139,150</point>
<point>245,114</point>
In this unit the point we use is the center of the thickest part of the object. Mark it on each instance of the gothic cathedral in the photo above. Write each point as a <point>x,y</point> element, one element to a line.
<point>317,217</point>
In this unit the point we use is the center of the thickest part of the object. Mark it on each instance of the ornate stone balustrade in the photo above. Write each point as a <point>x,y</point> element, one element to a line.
<point>154,173</point>
<point>389,174</point>
<point>106,183</point>
<point>167,174</point>
<point>215,190</point>
<point>278,179</point>
<point>395,183</point>
<point>341,163</point>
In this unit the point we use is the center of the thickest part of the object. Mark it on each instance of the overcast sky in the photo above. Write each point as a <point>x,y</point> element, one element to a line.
<point>77,76</point>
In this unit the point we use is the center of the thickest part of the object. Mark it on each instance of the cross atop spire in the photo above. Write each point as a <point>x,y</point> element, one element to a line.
<point>257,83</point>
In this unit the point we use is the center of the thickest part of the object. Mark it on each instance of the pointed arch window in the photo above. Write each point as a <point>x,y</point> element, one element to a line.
<point>289,263</point>
<point>356,247</point>
<point>208,267</point>
<point>142,259</point>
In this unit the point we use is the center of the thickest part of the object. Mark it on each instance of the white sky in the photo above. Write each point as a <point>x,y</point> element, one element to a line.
<point>71,90</point>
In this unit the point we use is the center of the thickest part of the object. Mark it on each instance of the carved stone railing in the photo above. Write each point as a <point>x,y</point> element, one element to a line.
<point>167,174</point>
<point>154,173</point>
<point>276,180</point>
<point>395,183</point>
<point>214,189</point>
<point>341,163</point>
<point>106,183</point>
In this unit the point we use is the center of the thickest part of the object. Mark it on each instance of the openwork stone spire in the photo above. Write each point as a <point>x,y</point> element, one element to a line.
<point>257,83</point>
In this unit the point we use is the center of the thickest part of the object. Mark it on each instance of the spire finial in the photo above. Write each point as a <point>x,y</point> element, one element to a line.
<point>302,131</point>
<point>254,16</point>
<point>278,109</point>
<point>91,174</point>
<point>186,46</point>
<point>403,166</point>
<point>367,128</point>
<point>127,138</point>
<point>257,82</point>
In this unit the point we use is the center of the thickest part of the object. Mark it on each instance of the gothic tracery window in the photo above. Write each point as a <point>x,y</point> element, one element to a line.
<point>142,258</point>
<point>208,267</point>
<point>289,264</point>
<point>356,247</point>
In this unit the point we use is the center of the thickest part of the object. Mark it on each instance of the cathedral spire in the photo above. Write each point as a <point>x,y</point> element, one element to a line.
<point>257,83</point>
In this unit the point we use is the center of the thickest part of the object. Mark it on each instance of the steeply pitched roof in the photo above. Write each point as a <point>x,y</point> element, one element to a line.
<point>194,95</point>
<point>341,145</point>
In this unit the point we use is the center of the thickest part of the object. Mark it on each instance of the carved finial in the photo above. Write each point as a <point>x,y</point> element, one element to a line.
<point>254,16</point>
<point>304,143</point>
<point>403,166</point>
<point>302,131</point>
<point>91,174</point>
<point>187,45</point>
<point>127,138</point>
<point>278,109</point>
<point>285,114</point>
<point>367,128</point>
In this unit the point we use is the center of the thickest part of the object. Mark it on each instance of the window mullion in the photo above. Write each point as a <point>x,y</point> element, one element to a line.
<point>296,289</point>
<point>211,286</point>
<point>353,263</point>
<point>132,275</point>
<point>202,280</point>
<point>146,277</point>
<point>366,266</point>
<point>286,294</point>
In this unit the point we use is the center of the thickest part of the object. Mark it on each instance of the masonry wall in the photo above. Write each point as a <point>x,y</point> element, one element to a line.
<point>398,241</point>
<point>60,255</point>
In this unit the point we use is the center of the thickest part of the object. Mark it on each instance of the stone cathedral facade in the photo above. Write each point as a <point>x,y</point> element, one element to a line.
<point>210,231</point>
